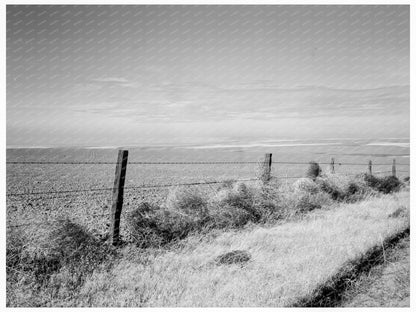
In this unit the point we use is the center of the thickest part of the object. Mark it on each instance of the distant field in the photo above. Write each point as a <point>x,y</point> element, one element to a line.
<point>91,208</point>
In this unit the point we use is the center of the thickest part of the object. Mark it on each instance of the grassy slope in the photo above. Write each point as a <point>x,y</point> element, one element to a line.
<point>288,262</point>
<point>385,285</point>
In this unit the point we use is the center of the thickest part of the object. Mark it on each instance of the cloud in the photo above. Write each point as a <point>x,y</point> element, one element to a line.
<point>260,101</point>
<point>112,81</point>
<point>202,111</point>
<point>101,84</point>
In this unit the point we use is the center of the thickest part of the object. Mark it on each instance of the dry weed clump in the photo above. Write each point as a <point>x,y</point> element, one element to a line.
<point>190,201</point>
<point>258,203</point>
<point>153,226</point>
<point>235,204</point>
<point>231,206</point>
<point>384,185</point>
<point>300,201</point>
<point>227,208</point>
<point>241,197</point>
<point>306,185</point>
<point>186,211</point>
<point>225,217</point>
<point>55,264</point>
<point>307,202</point>
<point>313,171</point>
<point>343,188</point>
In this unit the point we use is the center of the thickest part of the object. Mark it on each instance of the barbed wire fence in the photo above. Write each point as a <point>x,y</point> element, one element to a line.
<point>113,215</point>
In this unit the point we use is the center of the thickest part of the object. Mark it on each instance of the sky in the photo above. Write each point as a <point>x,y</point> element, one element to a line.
<point>149,75</point>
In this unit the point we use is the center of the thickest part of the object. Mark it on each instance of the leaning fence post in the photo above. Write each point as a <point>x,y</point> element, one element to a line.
<point>267,167</point>
<point>332,165</point>
<point>393,168</point>
<point>370,167</point>
<point>118,191</point>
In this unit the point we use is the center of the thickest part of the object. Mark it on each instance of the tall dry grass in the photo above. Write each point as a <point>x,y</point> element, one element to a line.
<point>236,204</point>
<point>55,266</point>
<point>51,265</point>
<point>287,262</point>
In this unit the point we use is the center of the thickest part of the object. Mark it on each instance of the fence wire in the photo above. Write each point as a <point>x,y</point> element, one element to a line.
<point>97,192</point>
<point>77,191</point>
<point>48,221</point>
<point>132,163</point>
<point>189,163</point>
<point>127,187</point>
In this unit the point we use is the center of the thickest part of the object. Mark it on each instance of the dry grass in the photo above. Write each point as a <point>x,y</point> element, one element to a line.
<point>385,285</point>
<point>288,262</point>
<point>52,265</point>
<point>233,205</point>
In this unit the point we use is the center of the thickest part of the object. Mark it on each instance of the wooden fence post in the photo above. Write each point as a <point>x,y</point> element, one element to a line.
<point>118,191</point>
<point>267,167</point>
<point>332,165</point>
<point>393,168</point>
<point>370,167</point>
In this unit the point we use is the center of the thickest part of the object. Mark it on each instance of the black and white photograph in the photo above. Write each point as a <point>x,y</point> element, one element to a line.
<point>229,155</point>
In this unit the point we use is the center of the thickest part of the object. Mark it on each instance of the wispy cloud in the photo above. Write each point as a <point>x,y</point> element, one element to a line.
<point>197,101</point>
<point>111,81</point>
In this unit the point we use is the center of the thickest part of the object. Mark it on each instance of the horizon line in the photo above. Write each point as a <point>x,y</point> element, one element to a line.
<point>231,143</point>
